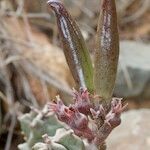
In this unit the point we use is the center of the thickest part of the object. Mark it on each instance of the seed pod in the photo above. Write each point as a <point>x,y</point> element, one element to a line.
<point>107,50</point>
<point>75,50</point>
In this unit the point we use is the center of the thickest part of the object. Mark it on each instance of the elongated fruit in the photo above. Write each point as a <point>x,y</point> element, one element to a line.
<point>107,50</point>
<point>74,46</point>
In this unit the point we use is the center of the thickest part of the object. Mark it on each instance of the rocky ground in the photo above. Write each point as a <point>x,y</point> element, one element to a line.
<point>133,133</point>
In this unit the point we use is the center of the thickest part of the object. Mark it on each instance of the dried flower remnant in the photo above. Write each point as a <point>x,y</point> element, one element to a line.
<point>81,118</point>
<point>78,120</point>
<point>72,117</point>
<point>82,101</point>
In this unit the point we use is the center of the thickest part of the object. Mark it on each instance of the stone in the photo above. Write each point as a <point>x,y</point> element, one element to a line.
<point>133,78</point>
<point>133,133</point>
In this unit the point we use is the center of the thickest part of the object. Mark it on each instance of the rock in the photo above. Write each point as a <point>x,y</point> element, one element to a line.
<point>133,79</point>
<point>133,133</point>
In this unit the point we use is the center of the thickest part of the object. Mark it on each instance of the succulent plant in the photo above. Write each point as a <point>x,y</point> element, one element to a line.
<point>35,124</point>
<point>59,136</point>
<point>68,126</point>
<point>87,122</point>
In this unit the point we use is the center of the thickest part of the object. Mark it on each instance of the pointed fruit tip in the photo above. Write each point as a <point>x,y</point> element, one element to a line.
<point>56,6</point>
<point>53,1</point>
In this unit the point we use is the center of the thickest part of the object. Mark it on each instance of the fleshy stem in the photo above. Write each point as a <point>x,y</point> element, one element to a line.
<point>77,117</point>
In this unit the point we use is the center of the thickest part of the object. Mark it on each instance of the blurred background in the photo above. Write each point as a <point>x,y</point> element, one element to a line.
<point>33,69</point>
